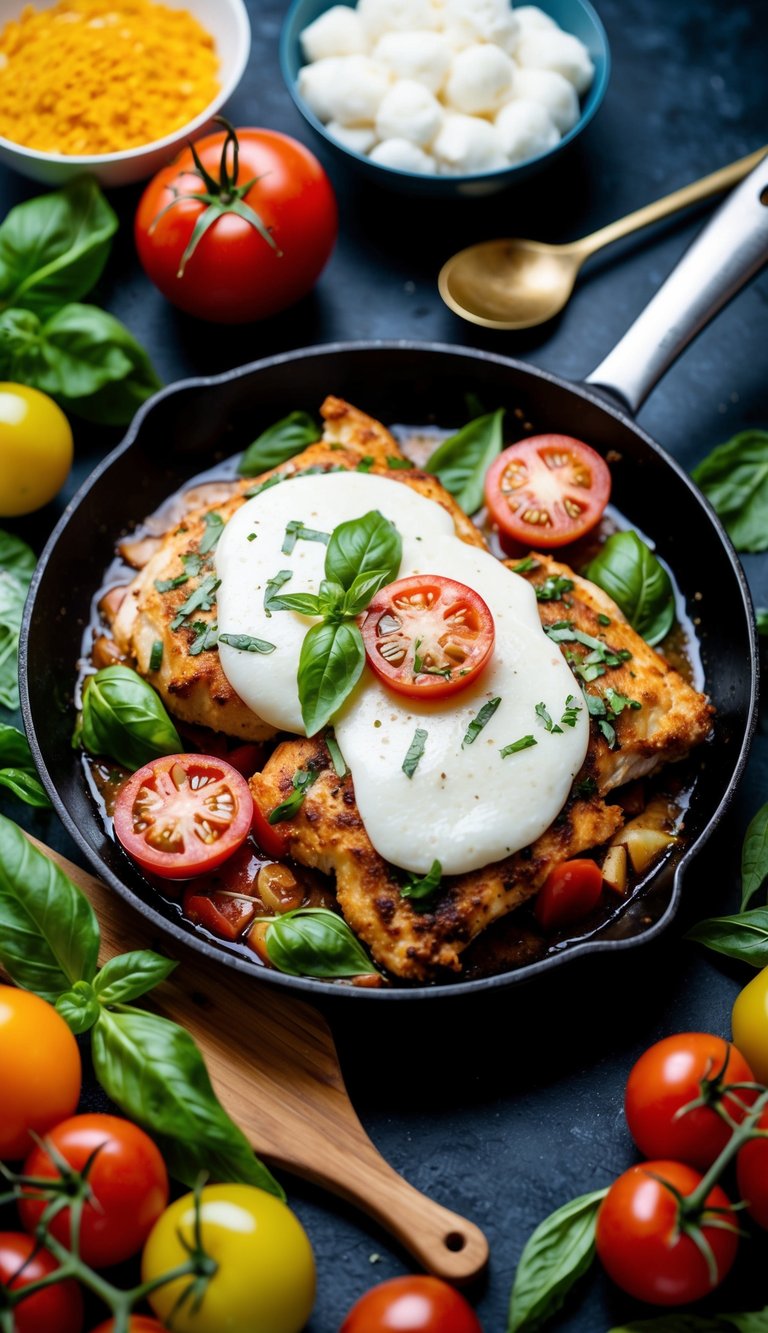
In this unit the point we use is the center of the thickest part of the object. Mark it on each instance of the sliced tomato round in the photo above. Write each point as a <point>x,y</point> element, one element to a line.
<point>427,636</point>
<point>570,892</point>
<point>547,491</point>
<point>184,814</point>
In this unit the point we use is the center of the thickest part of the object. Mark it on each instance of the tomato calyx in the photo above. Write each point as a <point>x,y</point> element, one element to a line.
<point>221,196</point>
<point>694,1215</point>
<point>714,1091</point>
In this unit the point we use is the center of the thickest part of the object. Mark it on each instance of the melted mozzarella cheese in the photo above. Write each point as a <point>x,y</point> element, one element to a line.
<point>465,805</point>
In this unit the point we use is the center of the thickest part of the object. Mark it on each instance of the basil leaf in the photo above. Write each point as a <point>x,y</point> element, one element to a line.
<point>279,442</point>
<point>462,461</point>
<point>154,1072</point>
<point>629,572</point>
<point>415,752</point>
<point>49,935</point>
<point>524,743</point>
<point>743,936</point>
<point>754,1321</point>
<point>54,248</point>
<point>363,589</point>
<point>761,620</point>
<point>734,478</point>
<point>17,565</point>
<point>337,758</point>
<point>754,856</point>
<point>330,665</point>
<point>560,1250</point>
<point>214,526</point>
<point>17,560</point>
<point>79,1007</point>
<point>315,942</point>
<point>361,546</point>
<point>25,786</point>
<point>297,531</point>
<point>17,769</point>
<point>131,974</point>
<point>125,719</point>
<point>201,599</point>
<point>553,589</point>
<point>421,890</point>
<point>331,598</point>
<point>301,781</point>
<point>305,603</point>
<point>272,590</point>
<point>245,643</point>
<point>480,720</point>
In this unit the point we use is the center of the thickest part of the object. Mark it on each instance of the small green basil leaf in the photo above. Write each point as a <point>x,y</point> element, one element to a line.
<point>630,573</point>
<point>361,546</point>
<point>363,589</point>
<point>53,248</point>
<point>49,935</point>
<point>125,719</point>
<point>331,597</point>
<point>421,891</point>
<point>743,936</point>
<point>154,1072</point>
<point>315,942</point>
<point>462,461</point>
<point>331,663</point>
<point>306,603</point>
<point>17,769</point>
<point>301,781</point>
<point>17,565</point>
<point>734,478</point>
<point>25,786</point>
<point>79,1007</point>
<point>279,442</point>
<point>754,856</point>
<point>130,975</point>
<point>761,620</point>
<point>559,1252</point>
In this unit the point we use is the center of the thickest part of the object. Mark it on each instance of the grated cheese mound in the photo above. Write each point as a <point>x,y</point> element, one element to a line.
<point>99,76</point>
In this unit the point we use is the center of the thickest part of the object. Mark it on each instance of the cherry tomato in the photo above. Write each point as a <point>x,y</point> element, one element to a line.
<point>218,912</point>
<point>272,842</point>
<point>265,1280</point>
<point>669,1076</point>
<point>58,1307</point>
<point>44,1086</point>
<point>183,815</point>
<point>639,1242</point>
<point>570,892</point>
<point>274,224</point>
<point>752,1174</point>
<point>412,1305</point>
<point>547,491</point>
<point>138,1323</point>
<point>128,1179</point>
<point>35,449</point>
<point>427,636</point>
<point>749,1022</point>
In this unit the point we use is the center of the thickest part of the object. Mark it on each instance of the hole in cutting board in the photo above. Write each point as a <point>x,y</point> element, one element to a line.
<point>454,1241</point>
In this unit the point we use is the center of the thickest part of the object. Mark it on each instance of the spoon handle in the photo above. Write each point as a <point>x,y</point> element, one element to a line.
<point>720,180</point>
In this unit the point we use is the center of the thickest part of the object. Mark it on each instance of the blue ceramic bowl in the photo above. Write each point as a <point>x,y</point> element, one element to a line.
<point>574,16</point>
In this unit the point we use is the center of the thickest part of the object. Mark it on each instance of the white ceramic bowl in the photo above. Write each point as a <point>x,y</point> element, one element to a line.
<point>225,20</point>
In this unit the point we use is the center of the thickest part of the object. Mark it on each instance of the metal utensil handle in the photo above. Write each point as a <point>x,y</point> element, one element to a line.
<point>724,256</point>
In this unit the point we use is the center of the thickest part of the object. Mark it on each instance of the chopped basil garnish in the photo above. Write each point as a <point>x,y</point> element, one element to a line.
<point>606,706</point>
<point>366,463</point>
<point>601,655</point>
<point>543,715</point>
<point>524,566</point>
<point>337,758</point>
<point>585,788</point>
<point>214,526</point>
<point>618,702</point>
<point>301,781</point>
<point>273,587</point>
<point>480,720</point>
<point>603,619</point>
<point>156,655</point>
<point>266,485</point>
<point>394,463</point>
<point>554,588</point>
<point>201,599</point>
<point>419,669</point>
<point>420,890</point>
<point>246,644</point>
<point>415,752</point>
<point>165,585</point>
<point>206,637</point>
<point>296,531</point>
<point>570,712</point>
<point>192,563</point>
<point>524,743</point>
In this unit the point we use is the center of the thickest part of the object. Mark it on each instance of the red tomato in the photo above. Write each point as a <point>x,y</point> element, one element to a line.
<point>219,912</point>
<point>547,491</point>
<point>570,892</point>
<point>272,229</point>
<point>272,842</point>
<point>641,1246</point>
<point>44,1086</point>
<point>183,815</point>
<point>246,758</point>
<point>752,1174</point>
<point>669,1076</point>
<point>427,636</point>
<point>58,1307</point>
<point>128,1179</point>
<point>138,1323</point>
<point>412,1305</point>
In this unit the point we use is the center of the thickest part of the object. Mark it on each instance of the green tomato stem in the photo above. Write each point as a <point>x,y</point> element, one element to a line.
<point>694,1203</point>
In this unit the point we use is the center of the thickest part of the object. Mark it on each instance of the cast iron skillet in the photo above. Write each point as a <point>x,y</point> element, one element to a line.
<point>187,426</point>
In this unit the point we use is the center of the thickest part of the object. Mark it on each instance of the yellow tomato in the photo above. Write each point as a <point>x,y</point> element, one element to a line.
<point>265,1279</point>
<point>35,449</point>
<point>750,1025</point>
<point>39,1070</point>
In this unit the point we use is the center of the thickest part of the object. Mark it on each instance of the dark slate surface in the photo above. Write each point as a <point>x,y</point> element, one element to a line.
<point>504,1112</point>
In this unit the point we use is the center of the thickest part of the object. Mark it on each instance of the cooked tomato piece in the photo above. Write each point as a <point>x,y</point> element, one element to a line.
<point>224,914</point>
<point>269,838</point>
<point>570,891</point>
<point>184,814</point>
<point>427,636</point>
<point>547,491</point>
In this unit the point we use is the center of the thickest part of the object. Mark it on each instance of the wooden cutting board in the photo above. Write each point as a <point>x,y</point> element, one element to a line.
<point>274,1065</point>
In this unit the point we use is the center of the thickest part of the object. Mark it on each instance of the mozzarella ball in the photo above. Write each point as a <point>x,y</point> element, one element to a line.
<point>466,21</point>
<point>357,137</point>
<point>552,91</point>
<point>337,32</point>
<point>380,16</point>
<point>423,56</point>
<point>558,51</point>
<point>317,85</point>
<point>359,86</point>
<point>526,130</point>
<point>408,111</point>
<point>466,144</point>
<point>404,156</point>
<point>530,18</point>
<point>481,79</point>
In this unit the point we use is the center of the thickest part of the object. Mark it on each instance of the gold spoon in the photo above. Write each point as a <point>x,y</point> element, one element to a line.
<point>514,284</point>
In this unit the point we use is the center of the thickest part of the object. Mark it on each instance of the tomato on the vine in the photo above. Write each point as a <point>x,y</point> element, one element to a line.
<point>37,1045</point>
<point>412,1305</point>
<point>239,226</point>
<point>58,1307</point>
<point>128,1180</point>
<point>673,1074</point>
<point>547,490</point>
<point>569,893</point>
<point>642,1245</point>
<point>752,1174</point>
<point>749,1022</point>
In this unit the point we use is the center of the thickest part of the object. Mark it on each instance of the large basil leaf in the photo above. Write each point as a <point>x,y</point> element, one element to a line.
<point>53,248</point>
<point>754,856</point>
<point>639,584</point>
<point>131,974</point>
<point>560,1250</point>
<point>331,663</point>
<point>734,478</point>
<point>279,442</point>
<point>49,936</point>
<point>125,719</point>
<point>462,461</point>
<point>743,936</point>
<point>17,564</point>
<point>17,769</point>
<point>315,942</point>
<point>362,546</point>
<point>154,1072</point>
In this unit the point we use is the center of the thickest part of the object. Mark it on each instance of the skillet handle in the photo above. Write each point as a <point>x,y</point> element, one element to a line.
<point>724,256</point>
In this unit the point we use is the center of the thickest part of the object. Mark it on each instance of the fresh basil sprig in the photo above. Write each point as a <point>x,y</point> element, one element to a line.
<point>17,769</point>
<point>560,1251</point>
<point>630,573</point>
<point>53,248</point>
<point>330,665</point>
<point>462,461</point>
<point>743,936</point>
<point>315,942</point>
<point>17,565</point>
<point>734,478</point>
<point>279,442</point>
<point>754,856</point>
<point>125,719</point>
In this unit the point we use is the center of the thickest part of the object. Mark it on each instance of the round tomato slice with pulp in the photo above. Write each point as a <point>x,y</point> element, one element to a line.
<point>184,814</point>
<point>547,491</point>
<point>427,636</point>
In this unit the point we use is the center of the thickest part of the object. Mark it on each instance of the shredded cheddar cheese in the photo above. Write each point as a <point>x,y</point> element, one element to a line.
<point>97,76</point>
